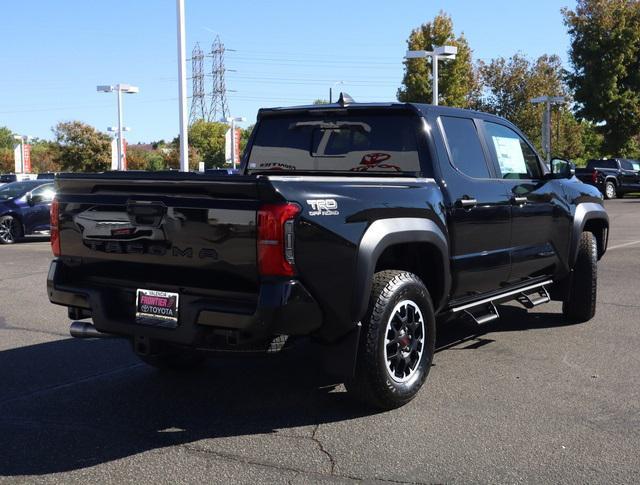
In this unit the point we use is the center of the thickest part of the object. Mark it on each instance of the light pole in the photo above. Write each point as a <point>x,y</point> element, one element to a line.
<point>119,89</point>
<point>182,88</point>
<point>232,122</point>
<point>331,90</point>
<point>438,52</point>
<point>546,120</point>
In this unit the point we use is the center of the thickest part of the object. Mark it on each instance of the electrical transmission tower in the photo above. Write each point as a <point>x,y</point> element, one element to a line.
<point>218,108</point>
<point>199,109</point>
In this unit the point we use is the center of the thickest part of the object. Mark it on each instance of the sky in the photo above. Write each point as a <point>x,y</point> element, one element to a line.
<point>279,53</point>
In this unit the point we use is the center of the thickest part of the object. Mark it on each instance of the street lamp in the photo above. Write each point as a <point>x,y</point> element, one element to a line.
<point>232,122</point>
<point>331,90</point>
<point>438,52</point>
<point>119,88</point>
<point>546,120</point>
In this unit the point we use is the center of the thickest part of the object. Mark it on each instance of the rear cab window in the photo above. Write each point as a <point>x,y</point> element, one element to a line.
<point>465,151</point>
<point>336,142</point>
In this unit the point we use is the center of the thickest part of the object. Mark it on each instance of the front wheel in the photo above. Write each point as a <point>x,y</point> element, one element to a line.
<point>10,230</point>
<point>397,342</point>
<point>580,304</point>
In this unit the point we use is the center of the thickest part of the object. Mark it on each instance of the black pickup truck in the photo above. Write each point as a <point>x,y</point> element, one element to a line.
<point>352,225</point>
<point>614,176</point>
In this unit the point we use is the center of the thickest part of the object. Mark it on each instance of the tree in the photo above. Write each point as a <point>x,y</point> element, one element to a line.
<point>6,138</point>
<point>320,101</point>
<point>605,76</point>
<point>44,156</point>
<point>207,137</point>
<point>510,84</point>
<point>139,158</point>
<point>457,82</point>
<point>7,163</point>
<point>81,147</point>
<point>244,137</point>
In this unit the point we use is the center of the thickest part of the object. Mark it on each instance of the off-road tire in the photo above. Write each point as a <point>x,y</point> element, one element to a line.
<point>373,383</point>
<point>174,360</point>
<point>580,304</point>
<point>610,190</point>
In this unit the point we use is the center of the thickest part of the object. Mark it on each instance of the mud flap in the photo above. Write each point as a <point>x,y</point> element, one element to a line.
<point>339,358</point>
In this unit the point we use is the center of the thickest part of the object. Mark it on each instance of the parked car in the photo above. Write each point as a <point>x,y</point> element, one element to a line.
<point>354,225</point>
<point>222,171</point>
<point>24,209</point>
<point>7,178</point>
<point>614,177</point>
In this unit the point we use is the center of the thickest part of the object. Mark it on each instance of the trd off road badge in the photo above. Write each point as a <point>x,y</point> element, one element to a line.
<point>323,207</point>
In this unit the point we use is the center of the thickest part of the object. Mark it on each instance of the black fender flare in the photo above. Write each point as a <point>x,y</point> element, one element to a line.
<point>384,233</point>
<point>584,212</point>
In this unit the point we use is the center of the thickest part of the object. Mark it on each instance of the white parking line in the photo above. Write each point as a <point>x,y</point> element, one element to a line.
<point>623,245</point>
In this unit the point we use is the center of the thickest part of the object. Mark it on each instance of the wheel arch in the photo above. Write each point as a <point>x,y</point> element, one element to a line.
<point>593,218</point>
<point>412,244</point>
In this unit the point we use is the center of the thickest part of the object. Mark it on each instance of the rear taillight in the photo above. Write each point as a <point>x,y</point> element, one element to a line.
<point>275,239</point>
<point>594,176</point>
<point>55,230</point>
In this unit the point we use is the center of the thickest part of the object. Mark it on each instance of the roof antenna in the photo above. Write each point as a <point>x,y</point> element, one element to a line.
<point>345,99</point>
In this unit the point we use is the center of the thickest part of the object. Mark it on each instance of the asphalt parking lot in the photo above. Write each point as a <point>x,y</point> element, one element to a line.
<point>529,399</point>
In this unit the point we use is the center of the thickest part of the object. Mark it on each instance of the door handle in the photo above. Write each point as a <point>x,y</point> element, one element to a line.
<point>467,203</point>
<point>519,200</point>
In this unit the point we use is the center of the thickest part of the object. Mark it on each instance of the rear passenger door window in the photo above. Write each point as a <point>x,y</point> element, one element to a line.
<point>516,159</point>
<point>465,151</point>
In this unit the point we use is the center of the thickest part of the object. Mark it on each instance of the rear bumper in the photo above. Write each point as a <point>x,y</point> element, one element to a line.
<point>282,308</point>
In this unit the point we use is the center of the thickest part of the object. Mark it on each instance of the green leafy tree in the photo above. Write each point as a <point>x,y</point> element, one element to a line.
<point>320,101</point>
<point>81,147</point>
<point>6,138</point>
<point>605,75</point>
<point>7,163</point>
<point>244,138</point>
<point>44,156</point>
<point>457,82</point>
<point>207,137</point>
<point>510,84</point>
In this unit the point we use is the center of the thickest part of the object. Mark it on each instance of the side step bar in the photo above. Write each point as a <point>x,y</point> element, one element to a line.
<point>484,310</point>
<point>534,298</point>
<point>484,313</point>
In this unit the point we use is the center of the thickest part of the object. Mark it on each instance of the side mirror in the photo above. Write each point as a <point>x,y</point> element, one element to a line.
<point>562,169</point>
<point>29,198</point>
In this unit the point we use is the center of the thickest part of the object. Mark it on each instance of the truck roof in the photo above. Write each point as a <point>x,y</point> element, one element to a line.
<point>422,108</point>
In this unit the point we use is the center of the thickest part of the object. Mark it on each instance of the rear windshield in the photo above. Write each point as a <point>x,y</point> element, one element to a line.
<point>336,143</point>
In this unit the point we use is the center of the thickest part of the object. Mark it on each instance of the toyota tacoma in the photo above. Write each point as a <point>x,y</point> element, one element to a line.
<point>353,225</point>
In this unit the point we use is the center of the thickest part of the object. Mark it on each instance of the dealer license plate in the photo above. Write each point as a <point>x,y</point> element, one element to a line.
<point>159,308</point>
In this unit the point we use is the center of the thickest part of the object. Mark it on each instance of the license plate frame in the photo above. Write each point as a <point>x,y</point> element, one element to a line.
<point>157,308</point>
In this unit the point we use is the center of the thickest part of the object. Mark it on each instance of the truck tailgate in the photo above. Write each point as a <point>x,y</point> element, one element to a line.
<point>152,230</point>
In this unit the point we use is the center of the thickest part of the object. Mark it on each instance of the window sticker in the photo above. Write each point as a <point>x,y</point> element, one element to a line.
<point>510,157</point>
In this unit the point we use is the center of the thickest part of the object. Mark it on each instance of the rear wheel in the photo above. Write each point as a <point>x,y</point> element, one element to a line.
<point>580,304</point>
<point>10,230</point>
<point>610,190</point>
<point>397,342</point>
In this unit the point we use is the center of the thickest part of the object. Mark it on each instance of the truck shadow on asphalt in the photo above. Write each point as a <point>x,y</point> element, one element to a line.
<point>67,405</point>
